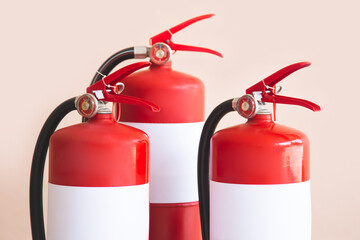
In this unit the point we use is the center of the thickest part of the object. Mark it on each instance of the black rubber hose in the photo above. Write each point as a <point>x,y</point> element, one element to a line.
<point>37,167</point>
<point>110,64</point>
<point>203,163</point>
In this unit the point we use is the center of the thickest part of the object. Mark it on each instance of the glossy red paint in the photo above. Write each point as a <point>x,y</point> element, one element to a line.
<point>269,82</point>
<point>175,221</point>
<point>259,152</point>
<point>165,37</point>
<point>179,95</point>
<point>99,153</point>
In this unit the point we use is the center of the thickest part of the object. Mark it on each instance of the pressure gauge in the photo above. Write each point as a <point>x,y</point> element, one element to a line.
<point>160,53</point>
<point>246,106</point>
<point>87,105</point>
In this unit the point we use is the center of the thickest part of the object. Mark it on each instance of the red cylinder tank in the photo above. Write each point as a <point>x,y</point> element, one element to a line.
<point>174,135</point>
<point>259,182</point>
<point>98,181</point>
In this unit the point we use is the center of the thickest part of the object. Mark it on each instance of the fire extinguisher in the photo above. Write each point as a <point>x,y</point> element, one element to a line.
<point>174,132</point>
<point>256,184</point>
<point>98,170</point>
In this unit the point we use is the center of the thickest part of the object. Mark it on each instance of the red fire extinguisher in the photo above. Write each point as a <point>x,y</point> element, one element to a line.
<point>174,132</point>
<point>98,170</point>
<point>256,185</point>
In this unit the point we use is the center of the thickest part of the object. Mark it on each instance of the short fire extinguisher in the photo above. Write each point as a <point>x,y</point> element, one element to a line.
<point>174,132</point>
<point>98,170</point>
<point>256,184</point>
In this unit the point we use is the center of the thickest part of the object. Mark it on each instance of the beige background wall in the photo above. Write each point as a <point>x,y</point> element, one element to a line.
<point>50,50</point>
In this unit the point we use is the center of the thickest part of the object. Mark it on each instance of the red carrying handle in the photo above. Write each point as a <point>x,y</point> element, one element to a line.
<point>165,37</point>
<point>276,77</point>
<point>273,79</point>
<point>108,82</point>
<point>118,75</point>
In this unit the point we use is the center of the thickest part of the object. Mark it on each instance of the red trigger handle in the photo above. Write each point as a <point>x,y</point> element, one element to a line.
<point>108,82</point>
<point>115,77</point>
<point>130,100</point>
<point>276,77</point>
<point>165,37</point>
<point>273,79</point>
<point>271,98</point>
<point>179,47</point>
<point>189,22</point>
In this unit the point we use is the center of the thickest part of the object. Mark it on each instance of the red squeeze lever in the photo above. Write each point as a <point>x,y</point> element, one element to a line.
<point>270,81</point>
<point>104,89</point>
<point>165,37</point>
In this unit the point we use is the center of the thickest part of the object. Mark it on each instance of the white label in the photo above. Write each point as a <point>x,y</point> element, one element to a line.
<point>260,212</point>
<point>173,160</point>
<point>93,213</point>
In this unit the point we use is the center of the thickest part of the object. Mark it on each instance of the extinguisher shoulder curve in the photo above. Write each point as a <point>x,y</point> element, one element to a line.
<point>163,77</point>
<point>180,96</point>
<point>223,133</point>
<point>81,130</point>
<point>275,133</point>
<point>135,131</point>
<point>63,132</point>
<point>290,132</point>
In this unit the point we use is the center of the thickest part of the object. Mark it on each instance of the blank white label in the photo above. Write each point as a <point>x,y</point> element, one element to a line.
<point>93,213</point>
<point>260,212</point>
<point>173,160</point>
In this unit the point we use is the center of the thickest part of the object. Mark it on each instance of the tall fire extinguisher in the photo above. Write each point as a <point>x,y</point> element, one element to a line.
<point>256,185</point>
<point>98,170</point>
<point>174,132</point>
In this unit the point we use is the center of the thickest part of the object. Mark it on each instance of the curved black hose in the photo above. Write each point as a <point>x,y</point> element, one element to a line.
<point>38,163</point>
<point>111,63</point>
<point>37,167</point>
<point>203,163</point>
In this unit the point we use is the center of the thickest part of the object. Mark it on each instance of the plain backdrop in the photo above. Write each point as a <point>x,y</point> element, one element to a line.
<point>50,50</point>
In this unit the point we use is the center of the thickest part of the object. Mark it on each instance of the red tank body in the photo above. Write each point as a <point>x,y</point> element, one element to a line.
<point>98,181</point>
<point>173,215</point>
<point>259,182</point>
<point>260,152</point>
<point>78,158</point>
